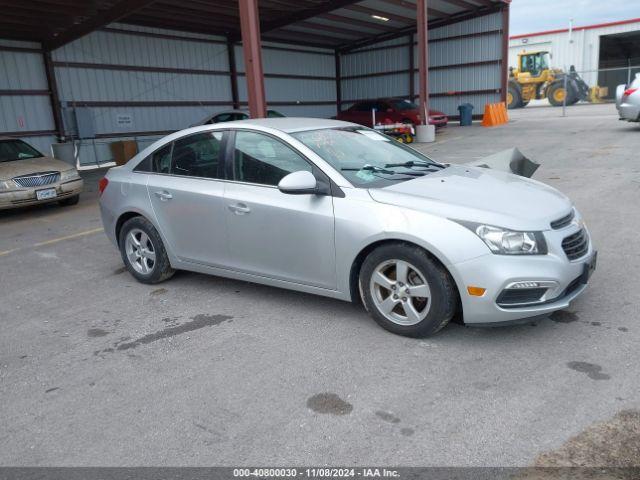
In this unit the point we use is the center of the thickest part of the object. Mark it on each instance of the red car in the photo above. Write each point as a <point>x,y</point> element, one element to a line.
<point>389,110</point>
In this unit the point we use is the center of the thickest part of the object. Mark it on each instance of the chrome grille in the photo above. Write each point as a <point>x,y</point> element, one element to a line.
<point>576,245</point>
<point>37,179</point>
<point>563,222</point>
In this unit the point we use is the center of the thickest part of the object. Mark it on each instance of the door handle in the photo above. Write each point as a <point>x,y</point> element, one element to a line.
<point>164,195</point>
<point>239,208</point>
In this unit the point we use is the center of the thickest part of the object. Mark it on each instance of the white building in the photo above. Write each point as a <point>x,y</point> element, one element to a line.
<point>605,54</point>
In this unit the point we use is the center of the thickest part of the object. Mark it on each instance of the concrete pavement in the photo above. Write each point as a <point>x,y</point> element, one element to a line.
<point>97,369</point>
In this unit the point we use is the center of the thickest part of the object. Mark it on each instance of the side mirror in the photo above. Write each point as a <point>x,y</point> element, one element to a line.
<point>299,183</point>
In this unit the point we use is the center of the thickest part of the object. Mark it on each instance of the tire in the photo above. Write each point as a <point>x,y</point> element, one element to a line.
<point>555,94</point>
<point>430,313</point>
<point>151,263</point>
<point>514,97</point>
<point>67,202</point>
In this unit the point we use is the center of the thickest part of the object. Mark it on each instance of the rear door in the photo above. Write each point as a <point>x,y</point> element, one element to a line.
<point>272,234</point>
<point>186,188</point>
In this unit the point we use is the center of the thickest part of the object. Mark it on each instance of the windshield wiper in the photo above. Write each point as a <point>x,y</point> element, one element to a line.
<point>370,168</point>
<point>374,169</point>
<point>414,163</point>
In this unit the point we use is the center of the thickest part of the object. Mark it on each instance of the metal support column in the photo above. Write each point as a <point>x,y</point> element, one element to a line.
<point>412,70</point>
<point>252,50</point>
<point>504,71</point>
<point>53,95</point>
<point>233,74</point>
<point>338,60</point>
<point>423,60</point>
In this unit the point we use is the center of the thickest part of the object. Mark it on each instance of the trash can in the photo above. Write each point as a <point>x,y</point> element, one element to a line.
<point>466,114</point>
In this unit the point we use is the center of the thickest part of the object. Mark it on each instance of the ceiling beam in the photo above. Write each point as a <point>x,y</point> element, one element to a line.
<point>120,10</point>
<point>305,14</point>
<point>412,6</point>
<point>327,41</point>
<point>328,28</point>
<point>487,3</point>
<point>381,13</point>
<point>375,25</point>
<point>463,4</point>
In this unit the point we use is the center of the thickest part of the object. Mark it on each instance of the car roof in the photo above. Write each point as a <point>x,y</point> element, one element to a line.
<point>293,124</point>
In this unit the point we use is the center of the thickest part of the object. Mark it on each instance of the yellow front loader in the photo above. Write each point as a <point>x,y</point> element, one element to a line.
<point>533,79</point>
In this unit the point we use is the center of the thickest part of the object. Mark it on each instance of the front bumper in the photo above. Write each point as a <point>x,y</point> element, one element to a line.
<point>497,272</point>
<point>25,197</point>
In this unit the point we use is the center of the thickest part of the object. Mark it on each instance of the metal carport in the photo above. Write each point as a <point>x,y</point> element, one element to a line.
<point>320,55</point>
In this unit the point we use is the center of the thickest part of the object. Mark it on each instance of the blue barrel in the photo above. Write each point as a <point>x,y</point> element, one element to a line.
<point>466,114</point>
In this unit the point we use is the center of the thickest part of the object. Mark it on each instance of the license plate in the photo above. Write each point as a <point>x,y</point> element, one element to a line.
<point>46,194</point>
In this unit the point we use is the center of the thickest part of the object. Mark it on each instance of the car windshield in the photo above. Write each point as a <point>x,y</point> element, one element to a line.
<point>274,114</point>
<point>367,158</point>
<point>12,150</point>
<point>403,105</point>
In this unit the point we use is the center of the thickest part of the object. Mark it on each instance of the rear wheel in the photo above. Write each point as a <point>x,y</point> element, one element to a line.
<point>406,291</point>
<point>143,252</point>
<point>514,97</point>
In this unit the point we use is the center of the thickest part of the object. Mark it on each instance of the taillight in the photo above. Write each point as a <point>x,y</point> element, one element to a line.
<point>102,184</point>
<point>629,91</point>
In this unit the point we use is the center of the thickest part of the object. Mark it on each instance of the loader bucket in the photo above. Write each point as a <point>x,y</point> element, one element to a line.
<point>511,161</point>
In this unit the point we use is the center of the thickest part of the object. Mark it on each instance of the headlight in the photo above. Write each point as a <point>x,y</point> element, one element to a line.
<point>7,185</point>
<point>502,241</point>
<point>69,175</point>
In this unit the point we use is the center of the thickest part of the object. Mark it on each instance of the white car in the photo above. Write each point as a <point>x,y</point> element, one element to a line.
<point>337,209</point>
<point>628,100</point>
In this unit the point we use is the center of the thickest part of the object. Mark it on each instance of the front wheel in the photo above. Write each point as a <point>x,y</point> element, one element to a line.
<point>406,291</point>
<point>143,252</point>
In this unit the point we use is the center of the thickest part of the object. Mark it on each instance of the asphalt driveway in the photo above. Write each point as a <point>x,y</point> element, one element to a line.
<point>97,369</point>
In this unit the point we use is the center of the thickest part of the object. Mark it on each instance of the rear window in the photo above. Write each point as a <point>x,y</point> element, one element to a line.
<point>404,105</point>
<point>12,150</point>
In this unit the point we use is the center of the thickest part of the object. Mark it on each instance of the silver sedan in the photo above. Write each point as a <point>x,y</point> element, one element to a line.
<point>336,209</point>
<point>628,100</point>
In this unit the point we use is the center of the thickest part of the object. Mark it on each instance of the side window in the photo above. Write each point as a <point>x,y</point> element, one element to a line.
<point>223,117</point>
<point>161,159</point>
<point>262,159</point>
<point>198,155</point>
<point>363,107</point>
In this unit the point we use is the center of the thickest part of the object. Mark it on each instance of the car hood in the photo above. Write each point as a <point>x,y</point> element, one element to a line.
<point>16,168</point>
<point>479,195</point>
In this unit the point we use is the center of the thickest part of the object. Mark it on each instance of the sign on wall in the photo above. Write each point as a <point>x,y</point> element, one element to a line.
<point>124,120</point>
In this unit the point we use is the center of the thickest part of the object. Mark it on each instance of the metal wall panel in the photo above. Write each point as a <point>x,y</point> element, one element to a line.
<point>451,53</point>
<point>293,90</point>
<point>21,114</point>
<point>374,87</point>
<point>289,62</point>
<point>311,62</point>
<point>86,84</point>
<point>22,71</point>
<point>393,58</point>
<point>122,49</point>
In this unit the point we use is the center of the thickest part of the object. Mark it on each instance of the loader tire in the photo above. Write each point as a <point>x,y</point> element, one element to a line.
<point>514,97</point>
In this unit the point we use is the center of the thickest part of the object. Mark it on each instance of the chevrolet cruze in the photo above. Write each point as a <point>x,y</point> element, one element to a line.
<point>336,209</point>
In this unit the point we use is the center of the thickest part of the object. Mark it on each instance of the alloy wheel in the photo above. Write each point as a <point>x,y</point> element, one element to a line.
<point>140,251</point>
<point>400,292</point>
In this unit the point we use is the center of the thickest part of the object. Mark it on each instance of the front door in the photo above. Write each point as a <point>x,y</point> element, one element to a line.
<point>272,234</point>
<point>187,197</point>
